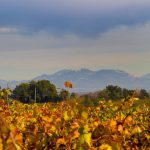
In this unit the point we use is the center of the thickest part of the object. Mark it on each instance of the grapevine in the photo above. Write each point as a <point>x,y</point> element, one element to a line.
<point>71,126</point>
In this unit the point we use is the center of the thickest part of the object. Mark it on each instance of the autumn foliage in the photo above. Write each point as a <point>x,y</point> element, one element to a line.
<point>70,126</point>
<point>68,84</point>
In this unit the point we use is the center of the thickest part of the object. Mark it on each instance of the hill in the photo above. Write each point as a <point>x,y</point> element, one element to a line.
<point>85,80</point>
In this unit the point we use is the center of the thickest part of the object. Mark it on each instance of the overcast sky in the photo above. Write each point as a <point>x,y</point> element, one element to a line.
<point>44,36</point>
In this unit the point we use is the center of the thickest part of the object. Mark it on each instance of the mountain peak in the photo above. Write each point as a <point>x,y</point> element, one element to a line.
<point>86,80</point>
<point>64,71</point>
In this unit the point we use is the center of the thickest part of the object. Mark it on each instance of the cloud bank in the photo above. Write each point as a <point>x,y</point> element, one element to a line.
<point>81,17</point>
<point>124,47</point>
<point>43,36</point>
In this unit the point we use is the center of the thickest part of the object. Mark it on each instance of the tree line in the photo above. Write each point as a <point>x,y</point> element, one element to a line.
<point>112,93</point>
<point>44,91</point>
<point>116,93</point>
<point>35,91</point>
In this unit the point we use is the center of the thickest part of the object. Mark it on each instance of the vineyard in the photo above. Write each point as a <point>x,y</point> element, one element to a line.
<point>70,126</point>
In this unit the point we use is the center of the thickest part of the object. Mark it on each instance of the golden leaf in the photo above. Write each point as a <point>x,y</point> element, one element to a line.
<point>136,130</point>
<point>68,84</point>
<point>74,125</point>
<point>1,144</point>
<point>84,114</point>
<point>85,138</point>
<point>112,123</point>
<point>128,120</point>
<point>60,141</point>
<point>120,128</point>
<point>105,147</point>
<point>47,119</point>
<point>75,134</point>
<point>18,138</point>
<point>66,117</point>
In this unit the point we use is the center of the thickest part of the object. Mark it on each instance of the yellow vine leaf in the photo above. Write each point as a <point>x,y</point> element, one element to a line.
<point>18,147</point>
<point>33,120</point>
<point>47,119</point>
<point>74,125</point>
<point>66,117</point>
<point>60,141</point>
<point>84,114</point>
<point>136,130</point>
<point>128,120</point>
<point>105,147</point>
<point>76,134</point>
<point>120,128</point>
<point>85,138</point>
<point>126,132</point>
<point>2,94</point>
<point>112,123</point>
<point>1,144</point>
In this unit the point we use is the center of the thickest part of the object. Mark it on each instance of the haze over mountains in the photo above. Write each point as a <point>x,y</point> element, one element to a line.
<point>86,80</point>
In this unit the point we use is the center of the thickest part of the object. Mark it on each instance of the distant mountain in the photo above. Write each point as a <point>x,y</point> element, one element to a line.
<point>86,80</point>
<point>3,83</point>
<point>11,84</point>
<point>146,76</point>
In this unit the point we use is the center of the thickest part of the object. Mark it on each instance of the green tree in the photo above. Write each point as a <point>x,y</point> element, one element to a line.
<point>64,94</point>
<point>125,93</point>
<point>104,94</point>
<point>73,95</point>
<point>21,92</point>
<point>32,91</point>
<point>114,92</point>
<point>89,100</point>
<point>45,91</point>
<point>35,91</point>
<point>144,94</point>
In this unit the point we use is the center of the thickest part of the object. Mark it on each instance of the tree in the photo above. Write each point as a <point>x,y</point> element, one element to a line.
<point>125,93</point>
<point>64,94</point>
<point>104,94</point>
<point>114,92</point>
<point>21,92</point>
<point>45,91</point>
<point>144,94</point>
<point>32,91</point>
<point>73,95</point>
<point>35,91</point>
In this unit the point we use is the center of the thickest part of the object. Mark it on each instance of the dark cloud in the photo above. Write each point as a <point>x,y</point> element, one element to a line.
<point>59,17</point>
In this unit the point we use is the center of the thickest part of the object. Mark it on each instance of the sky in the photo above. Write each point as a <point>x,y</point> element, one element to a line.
<point>44,36</point>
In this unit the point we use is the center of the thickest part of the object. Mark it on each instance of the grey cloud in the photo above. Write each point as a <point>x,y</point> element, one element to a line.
<point>126,43</point>
<point>120,39</point>
<point>59,17</point>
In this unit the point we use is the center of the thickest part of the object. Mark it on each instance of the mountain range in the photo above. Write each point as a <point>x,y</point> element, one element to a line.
<point>85,80</point>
